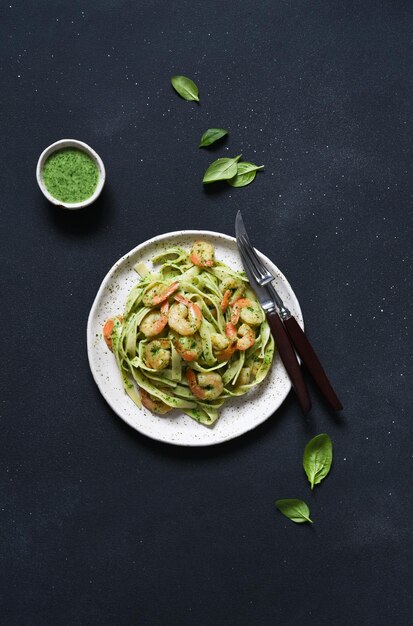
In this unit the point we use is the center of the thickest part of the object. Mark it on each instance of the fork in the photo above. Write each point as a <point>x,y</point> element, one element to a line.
<point>262,274</point>
<point>264,278</point>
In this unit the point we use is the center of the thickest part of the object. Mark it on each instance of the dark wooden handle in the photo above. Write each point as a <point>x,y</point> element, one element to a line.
<point>311,361</point>
<point>289,359</point>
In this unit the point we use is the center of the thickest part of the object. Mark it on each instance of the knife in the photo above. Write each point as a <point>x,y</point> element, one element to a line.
<point>285,349</point>
<point>263,277</point>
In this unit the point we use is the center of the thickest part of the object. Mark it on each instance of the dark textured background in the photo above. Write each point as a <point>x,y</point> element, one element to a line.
<point>100,525</point>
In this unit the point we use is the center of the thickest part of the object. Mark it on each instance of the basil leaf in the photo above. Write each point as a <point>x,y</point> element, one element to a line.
<point>317,459</point>
<point>211,136</point>
<point>221,169</point>
<point>185,87</point>
<point>246,173</point>
<point>296,510</point>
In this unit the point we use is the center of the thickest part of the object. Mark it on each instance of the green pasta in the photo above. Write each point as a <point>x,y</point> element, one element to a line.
<point>192,335</point>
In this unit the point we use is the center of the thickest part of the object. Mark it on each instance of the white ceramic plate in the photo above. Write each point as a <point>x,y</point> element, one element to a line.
<point>238,415</point>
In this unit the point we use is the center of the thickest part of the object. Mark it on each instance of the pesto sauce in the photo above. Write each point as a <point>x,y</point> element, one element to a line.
<point>70,175</point>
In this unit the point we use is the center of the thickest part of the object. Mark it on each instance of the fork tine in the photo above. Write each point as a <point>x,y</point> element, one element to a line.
<point>251,261</point>
<point>261,273</point>
<point>257,261</point>
<point>247,259</point>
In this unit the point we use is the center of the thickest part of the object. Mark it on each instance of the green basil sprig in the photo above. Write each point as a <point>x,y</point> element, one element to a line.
<point>185,87</point>
<point>246,173</point>
<point>317,459</point>
<point>296,510</point>
<point>221,169</point>
<point>211,136</point>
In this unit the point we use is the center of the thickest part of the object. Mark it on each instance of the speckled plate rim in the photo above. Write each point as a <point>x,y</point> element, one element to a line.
<point>239,415</point>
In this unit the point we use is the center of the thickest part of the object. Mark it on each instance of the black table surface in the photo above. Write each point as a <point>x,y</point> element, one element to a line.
<point>101,525</point>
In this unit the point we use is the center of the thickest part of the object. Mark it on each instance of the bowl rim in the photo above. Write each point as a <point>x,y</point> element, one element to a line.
<point>67,143</point>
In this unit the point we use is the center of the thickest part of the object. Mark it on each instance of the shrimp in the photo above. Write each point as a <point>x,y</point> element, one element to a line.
<point>158,354</point>
<point>185,317</point>
<point>248,310</point>
<point>230,330</point>
<point>223,347</point>
<point>247,337</point>
<point>226,354</point>
<point>251,313</point>
<point>207,386</point>
<point>189,348</point>
<point>244,335</point>
<point>219,342</point>
<point>159,293</point>
<point>202,254</point>
<point>233,289</point>
<point>153,403</point>
<point>155,321</point>
<point>108,329</point>
<point>225,300</point>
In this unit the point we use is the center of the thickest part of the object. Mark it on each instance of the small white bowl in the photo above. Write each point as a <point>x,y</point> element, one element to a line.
<point>71,143</point>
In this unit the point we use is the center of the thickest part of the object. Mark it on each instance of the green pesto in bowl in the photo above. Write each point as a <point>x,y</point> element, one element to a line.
<point>70,175</point>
